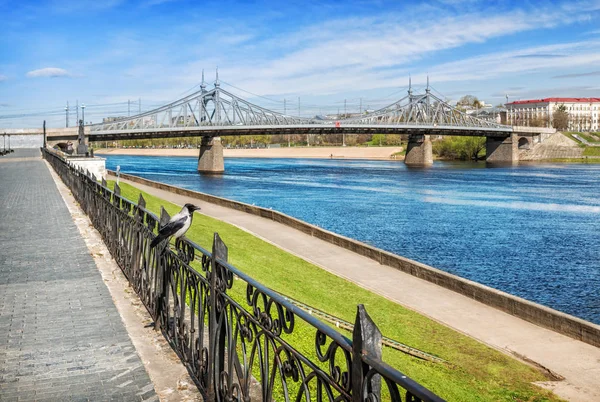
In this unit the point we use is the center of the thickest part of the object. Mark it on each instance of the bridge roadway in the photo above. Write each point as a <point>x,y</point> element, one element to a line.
<point>221,131</point>
<point>61,337</point>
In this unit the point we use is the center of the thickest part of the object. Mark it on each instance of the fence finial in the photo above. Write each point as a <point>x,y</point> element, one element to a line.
<point>164,217</point>
<point>366,340</point>
<point>141,201</point>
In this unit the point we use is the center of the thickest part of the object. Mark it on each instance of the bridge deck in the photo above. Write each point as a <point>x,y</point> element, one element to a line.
<point>216,131</point>
<point>61,336</point>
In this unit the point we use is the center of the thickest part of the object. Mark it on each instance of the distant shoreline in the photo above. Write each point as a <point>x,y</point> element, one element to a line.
<point>375,153</point>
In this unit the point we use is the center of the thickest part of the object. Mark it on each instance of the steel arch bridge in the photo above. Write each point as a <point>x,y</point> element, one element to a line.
<point>217,112</point>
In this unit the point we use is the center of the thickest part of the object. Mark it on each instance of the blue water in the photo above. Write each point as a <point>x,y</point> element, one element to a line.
<point>530,230</point>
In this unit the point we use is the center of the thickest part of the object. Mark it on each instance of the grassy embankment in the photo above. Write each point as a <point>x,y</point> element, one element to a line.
<point>592,138</point>
<point>476,372</point>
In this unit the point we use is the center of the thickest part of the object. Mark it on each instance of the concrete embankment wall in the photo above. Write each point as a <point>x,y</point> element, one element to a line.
<point>540,315</point>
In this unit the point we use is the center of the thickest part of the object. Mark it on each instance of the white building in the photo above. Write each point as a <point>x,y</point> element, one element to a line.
<point>584,113</point>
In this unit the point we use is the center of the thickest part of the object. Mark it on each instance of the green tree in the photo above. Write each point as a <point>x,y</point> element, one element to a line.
<point>463,148</point>
<point>378,139</point>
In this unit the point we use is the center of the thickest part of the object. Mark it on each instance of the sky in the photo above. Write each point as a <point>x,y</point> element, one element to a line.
<point>119,57</point>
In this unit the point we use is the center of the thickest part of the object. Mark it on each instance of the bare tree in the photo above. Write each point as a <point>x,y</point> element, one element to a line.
<point>560,118</point>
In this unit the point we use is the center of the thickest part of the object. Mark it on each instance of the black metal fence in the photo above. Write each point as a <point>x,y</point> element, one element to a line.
<point>238,338</point>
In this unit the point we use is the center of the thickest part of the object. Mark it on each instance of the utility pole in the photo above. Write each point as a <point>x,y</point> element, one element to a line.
<point>83,113</point>
<point>67,114</point>
<point>285,112</point>
<point>509,117</point>
<point>345,115</point>
<point>307,135</point>
<point>77,109</point>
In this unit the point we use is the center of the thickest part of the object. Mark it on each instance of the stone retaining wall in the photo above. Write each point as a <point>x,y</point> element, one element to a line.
<point>535,313</point>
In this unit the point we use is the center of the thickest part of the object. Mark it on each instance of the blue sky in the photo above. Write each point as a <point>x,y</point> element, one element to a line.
<point>104,53</point>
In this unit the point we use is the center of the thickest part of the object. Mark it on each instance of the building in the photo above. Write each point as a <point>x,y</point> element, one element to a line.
<point>584,113</point>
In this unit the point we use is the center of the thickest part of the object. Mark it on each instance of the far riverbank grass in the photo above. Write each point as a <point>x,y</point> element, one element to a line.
<point>591,151</point>
<point>476,373</point>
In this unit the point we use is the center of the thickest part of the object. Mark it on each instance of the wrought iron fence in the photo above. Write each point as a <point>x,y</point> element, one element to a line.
<point>237,338</point>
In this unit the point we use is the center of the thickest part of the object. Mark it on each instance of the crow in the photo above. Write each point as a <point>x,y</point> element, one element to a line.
<point>177,225</point>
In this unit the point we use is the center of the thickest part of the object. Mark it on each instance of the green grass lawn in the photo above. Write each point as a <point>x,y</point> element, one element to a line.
<point>475,373</point>
<point>589,137</point>
<point>591,151</point>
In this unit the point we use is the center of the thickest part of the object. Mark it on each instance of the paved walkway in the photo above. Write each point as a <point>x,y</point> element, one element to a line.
<point>578,362</point>
<point>61,337</point>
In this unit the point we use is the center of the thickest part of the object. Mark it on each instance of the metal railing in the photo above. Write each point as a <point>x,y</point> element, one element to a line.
<point>237,338</point>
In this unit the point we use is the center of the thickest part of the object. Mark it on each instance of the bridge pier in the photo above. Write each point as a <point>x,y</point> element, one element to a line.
<point>211,156</point>
<point>502,149</point>
<point>418,151</point>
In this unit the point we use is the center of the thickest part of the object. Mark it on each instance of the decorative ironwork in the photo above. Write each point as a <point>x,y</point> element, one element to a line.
<point>235,336</point>
<point>216,107</point>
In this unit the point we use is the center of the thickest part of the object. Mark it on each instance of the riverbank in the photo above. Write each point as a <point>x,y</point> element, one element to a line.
<point>371,153</point>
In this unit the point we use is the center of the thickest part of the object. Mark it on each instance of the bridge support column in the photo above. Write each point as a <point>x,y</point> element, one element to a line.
<point>211,156</point>
<point>502,149</point>
<point>418,151</point>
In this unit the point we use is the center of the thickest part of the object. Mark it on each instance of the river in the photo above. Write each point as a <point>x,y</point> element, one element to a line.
<point>529,230</point>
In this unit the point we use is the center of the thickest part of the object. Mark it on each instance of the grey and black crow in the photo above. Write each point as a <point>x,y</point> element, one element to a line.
<point>177,225</point>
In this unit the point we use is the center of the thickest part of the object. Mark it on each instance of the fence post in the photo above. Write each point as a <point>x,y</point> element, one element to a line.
<point>366,340</point>
<point>216,347</point>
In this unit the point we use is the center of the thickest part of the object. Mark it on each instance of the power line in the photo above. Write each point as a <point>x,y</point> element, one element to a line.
<point>251,93</point>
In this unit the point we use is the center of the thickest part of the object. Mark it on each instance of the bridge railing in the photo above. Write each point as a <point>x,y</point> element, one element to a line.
<point>237,338</point>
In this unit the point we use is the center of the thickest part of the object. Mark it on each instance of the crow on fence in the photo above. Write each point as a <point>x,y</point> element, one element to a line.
<point>177,225</point>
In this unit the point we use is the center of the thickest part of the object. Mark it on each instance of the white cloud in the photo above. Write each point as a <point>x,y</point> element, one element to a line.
<point>51,72</point>
<point>372,52</point>
<point>3,77</point>
<point>578,54</point>
<point>337,56</point>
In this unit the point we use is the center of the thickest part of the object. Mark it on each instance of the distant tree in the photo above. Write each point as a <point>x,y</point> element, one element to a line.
<point>469,100</point>
<point>560,118</point>
<point>538,122</point>
<point>393,139</point>
<point>378,139</point>
<point>463,148</point>
<point>474,147</point>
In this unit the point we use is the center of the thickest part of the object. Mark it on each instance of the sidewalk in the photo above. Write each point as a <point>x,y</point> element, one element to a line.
<point>61,337</point>
<point>578,362</point>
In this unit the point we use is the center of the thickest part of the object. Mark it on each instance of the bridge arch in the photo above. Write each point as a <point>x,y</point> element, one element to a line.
<point>524,143</point>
